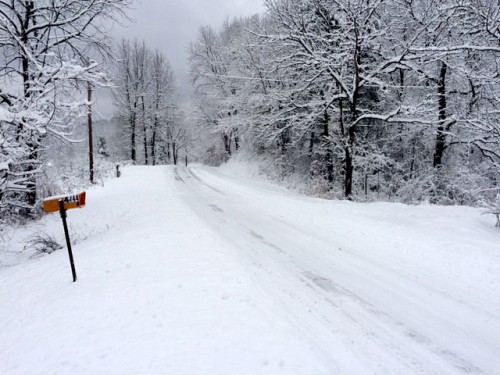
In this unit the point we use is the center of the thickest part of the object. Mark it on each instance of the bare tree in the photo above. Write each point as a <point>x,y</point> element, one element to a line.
<point>163,104</point>
<point>131,87</point>
<point>145,95</point>
<point>343,42</point>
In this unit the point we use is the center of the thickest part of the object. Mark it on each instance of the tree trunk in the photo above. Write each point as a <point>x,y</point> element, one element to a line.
<point>145,132</point>
<point>349,149</point>
<point>412,164</point>
<point>349,140</point>
<point>169,144</point>
<point>283,141</point>
<point>132,140</point>
<point>351,133</point>
<point>441,135</point>
<point>153,141</point>
<point>174,152</point>
<point>31,195</point>
<point>327,144</point>
<point>31,139</point>
<point>227,144</point>
<point>236,142</point>
<point>311,144</point>
<point>28,18</point>
<point>348,163</point>
<point>91,136</point>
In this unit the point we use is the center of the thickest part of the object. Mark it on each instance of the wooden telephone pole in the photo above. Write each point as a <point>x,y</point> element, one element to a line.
<point>91,137</point>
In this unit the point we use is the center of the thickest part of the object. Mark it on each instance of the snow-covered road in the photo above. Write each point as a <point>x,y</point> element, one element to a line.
<point>380,292</point>
<point>202,271</point>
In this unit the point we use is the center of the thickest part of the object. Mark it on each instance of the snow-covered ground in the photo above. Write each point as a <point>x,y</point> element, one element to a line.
<point>202,271</point>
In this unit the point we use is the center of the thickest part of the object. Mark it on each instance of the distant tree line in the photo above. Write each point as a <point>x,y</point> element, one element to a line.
<point>367,98</point>
<point>148,113</point>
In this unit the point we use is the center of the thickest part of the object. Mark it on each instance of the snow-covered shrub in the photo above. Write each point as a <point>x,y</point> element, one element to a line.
<point>102,148</point>
<point>41,243</point>
<point>493,208</point>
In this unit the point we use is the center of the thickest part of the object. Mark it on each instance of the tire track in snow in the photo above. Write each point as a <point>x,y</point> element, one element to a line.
<point>203,182</point>
<point>178,177</point>
<point>378,325</point>
<point>328,286</point>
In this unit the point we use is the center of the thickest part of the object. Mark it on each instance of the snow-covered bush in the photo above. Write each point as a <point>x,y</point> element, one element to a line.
<point>493,208</point>
<point>41,243</point>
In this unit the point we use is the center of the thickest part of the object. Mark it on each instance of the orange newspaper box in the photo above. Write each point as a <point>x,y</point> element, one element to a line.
<point>70,201</point>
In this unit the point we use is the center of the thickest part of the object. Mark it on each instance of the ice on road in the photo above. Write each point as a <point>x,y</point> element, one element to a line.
<point>202,271</point>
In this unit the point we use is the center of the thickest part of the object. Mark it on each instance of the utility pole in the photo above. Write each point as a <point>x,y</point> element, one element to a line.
<point>91,137</point>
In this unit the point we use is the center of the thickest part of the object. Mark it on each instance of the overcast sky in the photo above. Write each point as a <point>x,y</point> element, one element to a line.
<point>170,25</point>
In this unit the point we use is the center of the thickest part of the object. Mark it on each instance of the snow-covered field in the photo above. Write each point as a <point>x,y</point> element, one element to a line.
<point>201,271</point>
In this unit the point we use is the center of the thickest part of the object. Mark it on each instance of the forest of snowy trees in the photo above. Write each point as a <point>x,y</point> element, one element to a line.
<point>358,99</point>
<point>147,110</point>
<point>365,99</point>
<point>50,52</point>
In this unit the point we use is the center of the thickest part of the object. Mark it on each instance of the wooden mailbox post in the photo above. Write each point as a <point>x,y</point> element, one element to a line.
<point>62,204</point>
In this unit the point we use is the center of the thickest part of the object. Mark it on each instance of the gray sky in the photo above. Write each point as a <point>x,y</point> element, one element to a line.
<point>170,25</point>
